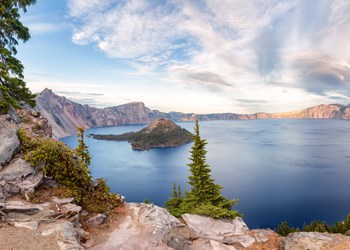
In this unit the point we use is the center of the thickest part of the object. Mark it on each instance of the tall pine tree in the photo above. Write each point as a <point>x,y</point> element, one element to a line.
<point>205,196</point>
<point>12,86</point>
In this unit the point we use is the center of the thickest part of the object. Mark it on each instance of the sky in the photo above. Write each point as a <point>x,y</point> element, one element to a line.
<point>201,56</point>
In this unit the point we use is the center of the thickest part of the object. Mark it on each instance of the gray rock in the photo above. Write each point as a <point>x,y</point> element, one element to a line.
<point>19,176</point>
<point>315,241</point>
<point>71,211</point>
<point>9,143</point>
<point>20,208</point>
<point>67,238</point>
<point>97,220</point>
<point>232,232</point>
<point>14,115</point>
<point>263,235</point>
<point>181,237</point>
<point>2,196</point>
<point>60,201</point>
<point>144,226</point>
<point>205,244</point>
<point>17,169</point>
<point>27,224</point>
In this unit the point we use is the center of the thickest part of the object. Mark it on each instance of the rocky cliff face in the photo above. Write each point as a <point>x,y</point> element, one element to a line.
<point>65,115</point>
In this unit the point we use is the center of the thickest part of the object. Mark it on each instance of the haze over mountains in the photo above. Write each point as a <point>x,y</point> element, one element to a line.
<point>65,115</point>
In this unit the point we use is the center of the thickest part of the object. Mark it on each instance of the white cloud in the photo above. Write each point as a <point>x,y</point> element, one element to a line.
<point>43,28</point>
<point>232,47</point>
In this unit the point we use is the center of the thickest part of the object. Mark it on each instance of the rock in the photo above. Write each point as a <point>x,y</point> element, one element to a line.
<point>60,201</point>
<point>2,197</point>
<point>9,143</point>
<point>263,235</point>
<point>97,220</point>
<point>67,238</point>
<point>314,240</point>
<point>27,193</point>
<point>121,199</point>
<point>20,176</point>
<point>82,233</point>
<point>20,208</point>
<point>347,233</point>
<point>232,232</point>
<point>35,113</point>
<point>88,243</point>
<point>205,244</point>
<point>144,226</point>
<point>28,224</point>
<point>13,115</point>
<point>181,237</point>
<point>50,182</point>
<point>71,211</point>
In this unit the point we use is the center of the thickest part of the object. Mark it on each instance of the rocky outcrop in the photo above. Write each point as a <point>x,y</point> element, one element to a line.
<point>146,226</point>
<point>65,115</point>
<point>19,177</point>
<point>9,141</point>
<point>34,124</point>
<point>143,227</point>
<point>313,240</point>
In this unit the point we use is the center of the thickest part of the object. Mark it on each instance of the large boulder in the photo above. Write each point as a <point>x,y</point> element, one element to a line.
<point>9,143</point>
<point>314,240</point>
<point>144,226</point>
<point>18,177</point>
<point>67,237</point>
<point>231,232</point>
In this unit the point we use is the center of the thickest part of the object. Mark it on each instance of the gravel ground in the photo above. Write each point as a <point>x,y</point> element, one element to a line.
<point>13,238</point>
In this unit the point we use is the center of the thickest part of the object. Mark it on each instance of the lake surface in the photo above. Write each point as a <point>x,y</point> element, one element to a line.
<point>294,170</point>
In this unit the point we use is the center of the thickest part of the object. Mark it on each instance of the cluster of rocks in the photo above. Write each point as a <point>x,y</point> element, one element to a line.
<point>146,226</point>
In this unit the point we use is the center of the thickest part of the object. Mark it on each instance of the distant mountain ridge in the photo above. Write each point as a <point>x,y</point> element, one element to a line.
<point>65,115</point>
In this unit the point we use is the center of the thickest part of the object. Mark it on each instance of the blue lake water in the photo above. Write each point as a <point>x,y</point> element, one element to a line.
<point>294,170</point>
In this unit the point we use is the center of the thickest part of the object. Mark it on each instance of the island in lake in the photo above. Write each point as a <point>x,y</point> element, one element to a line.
<point>160,133</point>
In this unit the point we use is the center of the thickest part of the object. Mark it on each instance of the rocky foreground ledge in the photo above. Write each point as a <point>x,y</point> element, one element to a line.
<point>142,226</point>
<point>61,224</point>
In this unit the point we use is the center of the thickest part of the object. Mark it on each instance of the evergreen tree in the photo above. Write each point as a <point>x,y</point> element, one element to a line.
<point>173,204</point>
<point>82,150</point>
<point>12,86</point>
<point>205,196</point>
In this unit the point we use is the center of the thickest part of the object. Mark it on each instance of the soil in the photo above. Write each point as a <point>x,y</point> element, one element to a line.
<point>14,238</point>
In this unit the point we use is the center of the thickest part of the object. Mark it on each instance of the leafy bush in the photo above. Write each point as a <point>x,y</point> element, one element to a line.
<point>59,161</point>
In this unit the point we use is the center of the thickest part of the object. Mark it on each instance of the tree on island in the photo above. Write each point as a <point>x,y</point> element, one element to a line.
<point>205,196</point>
<point>12,86</point>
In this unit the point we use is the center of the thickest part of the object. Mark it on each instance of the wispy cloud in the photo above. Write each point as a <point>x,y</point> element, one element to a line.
<point>244,50</point>
<point>43,28</point>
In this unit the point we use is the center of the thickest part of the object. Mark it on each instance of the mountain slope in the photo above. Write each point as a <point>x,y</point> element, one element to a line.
<point>65,115</point>
<point>160,133</point>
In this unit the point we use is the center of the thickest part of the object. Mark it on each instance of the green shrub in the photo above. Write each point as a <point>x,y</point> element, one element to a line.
<point>57,160</point>
<point>316,226</point>
<point>284,229</point>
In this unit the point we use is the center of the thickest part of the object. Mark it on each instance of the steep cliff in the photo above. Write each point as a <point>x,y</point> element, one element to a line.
<point>65,115</point>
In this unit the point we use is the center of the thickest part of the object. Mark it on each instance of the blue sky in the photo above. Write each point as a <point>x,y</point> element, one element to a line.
<point>200,56</point>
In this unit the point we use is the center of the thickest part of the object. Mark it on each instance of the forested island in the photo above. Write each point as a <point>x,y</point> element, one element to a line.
<point>160,133</point>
